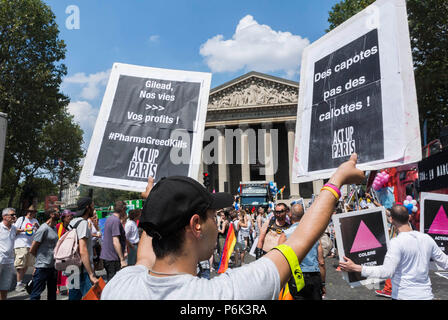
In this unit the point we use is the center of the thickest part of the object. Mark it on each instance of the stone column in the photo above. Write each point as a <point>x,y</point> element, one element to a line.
<point>291,128</point>
<point>317,185</point>
<point>222,164</point>
<point>268,153</point>
<point>201,169</point>
<point>245,164</point>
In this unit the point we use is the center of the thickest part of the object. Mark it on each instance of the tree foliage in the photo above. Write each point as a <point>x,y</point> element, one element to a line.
<point>428,28</point>
<point>104,197</point>
<point>39,126</point>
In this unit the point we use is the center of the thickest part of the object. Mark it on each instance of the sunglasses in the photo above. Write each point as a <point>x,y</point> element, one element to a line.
<point>279,212</point>
<point>12,215</point>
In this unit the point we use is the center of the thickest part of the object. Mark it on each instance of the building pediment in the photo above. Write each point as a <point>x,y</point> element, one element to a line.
<point>251,90</point>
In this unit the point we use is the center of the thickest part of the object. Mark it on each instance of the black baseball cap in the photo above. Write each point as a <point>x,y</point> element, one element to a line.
<point>174,200</point>
<point>81,206</point>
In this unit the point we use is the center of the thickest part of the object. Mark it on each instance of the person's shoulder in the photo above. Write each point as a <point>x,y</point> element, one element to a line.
<point>127,284</point>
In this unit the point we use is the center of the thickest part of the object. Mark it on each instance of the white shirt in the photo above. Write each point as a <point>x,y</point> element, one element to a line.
<point>260,278</point>
<point>407,264</point>
<point>7,237</point>
<point>25,239</point>
<point>131,230</point>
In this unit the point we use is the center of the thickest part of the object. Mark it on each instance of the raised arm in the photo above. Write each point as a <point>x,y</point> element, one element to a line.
<point>317,218</point>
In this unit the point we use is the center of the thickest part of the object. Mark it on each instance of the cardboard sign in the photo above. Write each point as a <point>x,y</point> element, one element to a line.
<point>95,292</point>
<point>357,94</point>
<point>434,219</point>
<point>151,123</point>
<point>362,236</point>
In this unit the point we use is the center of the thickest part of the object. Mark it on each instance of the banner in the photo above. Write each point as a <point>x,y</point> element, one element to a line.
<point>151,123</point>
<point>357,94</point>
<point>433,172</point>
<point>434,220</point>
<point>362,236</point>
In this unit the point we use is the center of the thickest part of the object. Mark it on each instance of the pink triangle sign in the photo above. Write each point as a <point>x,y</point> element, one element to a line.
<point>364,239</point>
<point>440,223</point>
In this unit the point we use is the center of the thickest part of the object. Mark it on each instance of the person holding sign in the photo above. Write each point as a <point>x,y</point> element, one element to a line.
<point>406,262</point>
<point>179,214</point>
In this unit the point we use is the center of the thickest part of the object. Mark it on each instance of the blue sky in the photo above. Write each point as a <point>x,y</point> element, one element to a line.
<point>227,38</point>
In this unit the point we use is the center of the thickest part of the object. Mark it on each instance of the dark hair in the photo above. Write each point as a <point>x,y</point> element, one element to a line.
<point>285,206</point>
<point>173,243</point>
<point>48,212</point>
<point>134,214</point>
<point>119,206</point>
<point>400,214</point>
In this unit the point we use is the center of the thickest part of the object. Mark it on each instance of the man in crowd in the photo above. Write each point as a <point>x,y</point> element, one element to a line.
<point>85,210</point>
<point>114,241</point>
<point>26,225</point>
<point>272,229</point>
<point>312,266</point>
<point>406,262</point>
<point>180,216</point>
<point>45,240</point>
<point>7,236</point>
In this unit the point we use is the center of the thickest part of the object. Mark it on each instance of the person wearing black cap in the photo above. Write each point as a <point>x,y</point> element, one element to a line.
<point>180,216</point>
<point>85,210</point>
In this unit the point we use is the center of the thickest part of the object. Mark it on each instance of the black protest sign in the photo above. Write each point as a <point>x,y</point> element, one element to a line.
<point>434,219</point>
<point>138,138</point>
<point>362,237</point>
<point>151,123</point>
<point>357,95</point>
<point>433,172</point>
<point>347,109</point>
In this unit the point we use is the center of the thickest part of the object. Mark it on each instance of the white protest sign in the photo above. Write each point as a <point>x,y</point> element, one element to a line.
<point>151,123</point>
<point>357,94</point>
<point>362,236</point>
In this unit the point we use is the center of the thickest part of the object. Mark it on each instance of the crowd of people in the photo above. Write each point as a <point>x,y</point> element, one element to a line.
<point>24,244</point>
<point>180,238</point>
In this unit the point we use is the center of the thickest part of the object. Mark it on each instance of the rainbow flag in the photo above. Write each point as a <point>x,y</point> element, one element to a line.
<point>229,245</point>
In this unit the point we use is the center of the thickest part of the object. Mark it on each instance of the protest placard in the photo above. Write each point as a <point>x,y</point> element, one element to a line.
<point>362,236</point>
<point>151,123</point>
<point>357,94</point>
<point>434,220</point>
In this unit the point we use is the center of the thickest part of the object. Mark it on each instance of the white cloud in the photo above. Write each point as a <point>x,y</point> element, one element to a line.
<point>255,47</point>
<point>90,84</point>
<point>85,115</point>
<point>154,38</point>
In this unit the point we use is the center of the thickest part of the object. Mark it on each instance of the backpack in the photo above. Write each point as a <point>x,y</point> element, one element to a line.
<point>66,252</point>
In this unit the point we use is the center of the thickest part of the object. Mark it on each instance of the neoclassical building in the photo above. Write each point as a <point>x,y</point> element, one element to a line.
<point>255,117</point>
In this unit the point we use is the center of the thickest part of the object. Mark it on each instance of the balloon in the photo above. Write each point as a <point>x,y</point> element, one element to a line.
<point>409,198</point>
<point>414,202</point>
<point>414,209</point>
<point>406,203</point>
<point>409,206</point>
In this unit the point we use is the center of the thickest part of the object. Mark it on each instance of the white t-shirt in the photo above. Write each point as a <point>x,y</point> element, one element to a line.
<point>407,264</point>
<point>131,231</point>
<point>25,239</point>
<point>7,237</point>
<point>260,278</point>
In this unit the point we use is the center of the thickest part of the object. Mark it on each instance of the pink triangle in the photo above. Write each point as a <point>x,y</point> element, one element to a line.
<point>364,239</point>
<point>440,223</point>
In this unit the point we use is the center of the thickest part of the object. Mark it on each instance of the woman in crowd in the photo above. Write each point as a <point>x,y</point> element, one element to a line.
<point>132,235</point>
<point>96,240</point>
<point>61,227</point>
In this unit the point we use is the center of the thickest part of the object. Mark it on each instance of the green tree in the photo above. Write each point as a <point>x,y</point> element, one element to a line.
<point>428,28</point>
<point>104,197</point>
<point>39,127</point>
